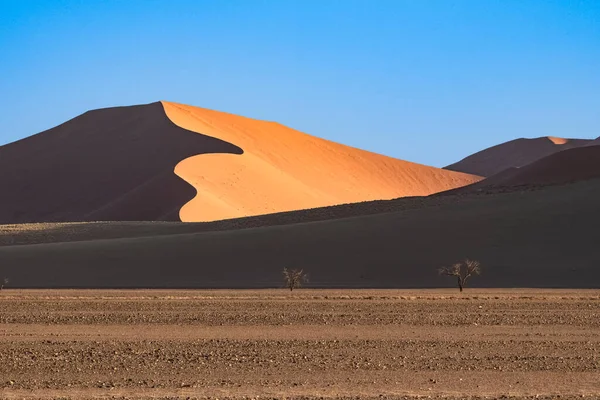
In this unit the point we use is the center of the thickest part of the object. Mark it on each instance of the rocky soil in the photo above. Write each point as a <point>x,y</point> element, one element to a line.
<point>308,344</point>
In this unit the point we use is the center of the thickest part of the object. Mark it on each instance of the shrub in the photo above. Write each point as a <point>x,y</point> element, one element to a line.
<point>462,271</point>
<point>293,278</point>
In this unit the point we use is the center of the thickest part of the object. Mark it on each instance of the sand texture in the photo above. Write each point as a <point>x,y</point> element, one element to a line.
<point>543,237</point>
<point>282,169</point>
<point>312,344</point>
<point>127,164</point>
<point>513,154</point>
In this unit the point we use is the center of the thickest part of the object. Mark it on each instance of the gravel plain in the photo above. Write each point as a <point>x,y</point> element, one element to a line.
<point>355,344</point>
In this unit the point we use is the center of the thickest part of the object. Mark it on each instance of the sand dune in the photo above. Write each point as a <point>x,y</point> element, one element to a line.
<point>126,164</point>
<point>513,154</point>
<point>283,169</point>
<point>109,164</point>
<point>571,165</point>
<point>540,238</point>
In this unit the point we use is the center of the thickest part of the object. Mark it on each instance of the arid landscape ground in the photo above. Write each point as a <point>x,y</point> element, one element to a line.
<point>336,200</point>
<point>240,344</point>
<point>276,197</point>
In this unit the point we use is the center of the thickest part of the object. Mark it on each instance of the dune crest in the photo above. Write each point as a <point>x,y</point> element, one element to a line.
<point>112,164</point>
<point>282,169</point>
<point>558,140</point>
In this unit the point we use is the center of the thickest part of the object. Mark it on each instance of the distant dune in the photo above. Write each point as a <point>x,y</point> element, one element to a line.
<point>513,154</point>
<point>147,162</point>
<point>572,165</point>
<point>595,142</point>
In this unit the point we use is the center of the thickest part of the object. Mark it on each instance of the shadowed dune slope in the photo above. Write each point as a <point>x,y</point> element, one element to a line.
<point>108,164</point>
<point>572,165</point>
<point>516,153</point>
<point>541,238</point>
<point>283,169</point>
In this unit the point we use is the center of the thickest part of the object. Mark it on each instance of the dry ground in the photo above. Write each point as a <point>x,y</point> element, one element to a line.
<point>309,344</point>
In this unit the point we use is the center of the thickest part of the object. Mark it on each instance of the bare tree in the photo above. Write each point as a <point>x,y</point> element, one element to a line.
<point>462,271</point>
<point>293,278</point>
<point>3,282</point>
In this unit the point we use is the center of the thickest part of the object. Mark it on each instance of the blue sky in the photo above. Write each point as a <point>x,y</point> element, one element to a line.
<point>426,81</point>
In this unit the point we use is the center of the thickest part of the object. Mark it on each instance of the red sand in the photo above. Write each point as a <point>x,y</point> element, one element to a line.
<point>282,169</point>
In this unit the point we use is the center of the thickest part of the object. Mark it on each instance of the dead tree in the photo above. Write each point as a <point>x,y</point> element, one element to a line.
<point>462,271</point>
<point>293,278</point>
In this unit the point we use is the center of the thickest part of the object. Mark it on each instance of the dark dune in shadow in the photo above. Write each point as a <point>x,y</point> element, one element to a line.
<point>566,166</point>
<point>515,153</point>
<point>572,165</point>
<point>107,164</point>
<point>595,142</point>
<point>539,238</point>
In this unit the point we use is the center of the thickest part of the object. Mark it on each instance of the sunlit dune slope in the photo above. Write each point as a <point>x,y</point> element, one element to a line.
<point>283,169</point>
<point>513,154</point>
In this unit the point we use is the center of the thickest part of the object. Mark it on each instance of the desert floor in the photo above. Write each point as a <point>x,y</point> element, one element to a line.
<point>307,344</point>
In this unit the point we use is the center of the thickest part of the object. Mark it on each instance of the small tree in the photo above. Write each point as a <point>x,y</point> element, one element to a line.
<point>293,278</point>
<point>3,282</point>
<point>462,271</point>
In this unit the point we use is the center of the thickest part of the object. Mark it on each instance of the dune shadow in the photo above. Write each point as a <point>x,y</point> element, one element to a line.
<point>108,164</point>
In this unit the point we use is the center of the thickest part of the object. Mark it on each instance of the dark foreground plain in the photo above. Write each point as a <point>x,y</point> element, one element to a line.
<point>236,344</point>
<point>535,237</point>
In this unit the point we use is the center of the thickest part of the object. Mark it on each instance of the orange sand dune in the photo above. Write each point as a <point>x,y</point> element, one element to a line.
<point>282,169</point>
<point>513,154</point>
<point>122,164</point>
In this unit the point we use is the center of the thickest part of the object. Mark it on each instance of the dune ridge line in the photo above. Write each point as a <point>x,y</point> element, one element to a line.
<point>282,169</point>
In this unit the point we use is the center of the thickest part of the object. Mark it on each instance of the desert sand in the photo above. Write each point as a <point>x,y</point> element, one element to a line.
<point>539,237</point>
<point>122,164</point>
<point>311,344</point>
<point>282,169</point>
<point>513,154</point>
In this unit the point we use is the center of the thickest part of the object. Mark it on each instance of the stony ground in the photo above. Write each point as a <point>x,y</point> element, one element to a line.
<point>402,344</point>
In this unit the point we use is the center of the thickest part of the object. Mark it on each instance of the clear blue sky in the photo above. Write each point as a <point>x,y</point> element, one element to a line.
<point>426,81</point>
